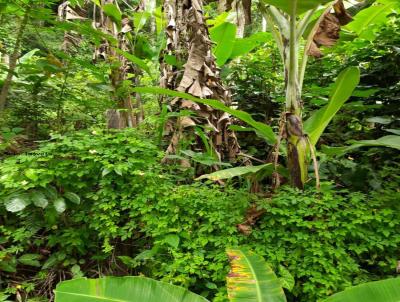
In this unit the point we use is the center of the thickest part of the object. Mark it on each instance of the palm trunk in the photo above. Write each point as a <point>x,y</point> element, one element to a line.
<point>188,41</point>
<point>13,61</point>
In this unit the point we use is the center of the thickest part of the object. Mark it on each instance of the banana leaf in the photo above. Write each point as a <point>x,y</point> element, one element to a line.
<point>378,291</point>
<point>251,279</point>
<point>262,129</point>
<point>389,141</point>
<point>345,84</point>
<point>237,171</point>
<point>301,6</point>
<point>122,289</point>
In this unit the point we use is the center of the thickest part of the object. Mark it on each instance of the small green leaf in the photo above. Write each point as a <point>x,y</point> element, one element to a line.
<point>59,205</point>
<point>53,260</point>
<point>30,259</point>
<point>17,203</point>
<point>72,197</point>
<point>51,193</point>
<point>287,280</point>
<point>8,265</point>
<point>39,199</point>
<point>172,240</point>
<point>31,174</point>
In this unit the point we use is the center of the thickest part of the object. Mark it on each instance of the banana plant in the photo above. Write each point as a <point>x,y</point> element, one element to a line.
<point>251,279</point>
<point>290,22</point>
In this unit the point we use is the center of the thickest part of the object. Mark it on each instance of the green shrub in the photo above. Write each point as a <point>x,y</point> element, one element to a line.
<point>101,204</point>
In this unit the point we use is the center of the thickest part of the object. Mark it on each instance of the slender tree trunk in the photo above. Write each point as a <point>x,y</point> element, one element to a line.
<point>13,61</point>
<point>189,44</point>
<point>123,116</point>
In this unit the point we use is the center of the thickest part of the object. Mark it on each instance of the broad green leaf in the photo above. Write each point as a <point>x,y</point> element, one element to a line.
<point>263,129</point>
<point>300,6</point>
<point>113,12</point>
<point>224,37</point>
<point>72,197</point>
<point>172,240</point>
<point>59,205</point>
<point>368,19</point>
<point>30,259</point>
<point>378,291</point>
<point>31,174</point>
<point>17,203</point>
<point>39,199</point>
<point>390,141</point>
<point>234,172</point>
<point>346,82</point>
<point>9,265</point>
<point>380,120</point>
<point>140,19</point>
<point>251,279</point>
<point>394,131</point>
<point>51,192</point>
<point>134,59</point>
<point>245,45</point>
<point>122,289</point>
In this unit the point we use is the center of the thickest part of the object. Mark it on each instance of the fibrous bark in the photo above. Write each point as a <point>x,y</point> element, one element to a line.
<point>188,42</point>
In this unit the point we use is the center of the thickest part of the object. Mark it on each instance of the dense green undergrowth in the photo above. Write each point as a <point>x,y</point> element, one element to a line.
<point>98,203</point>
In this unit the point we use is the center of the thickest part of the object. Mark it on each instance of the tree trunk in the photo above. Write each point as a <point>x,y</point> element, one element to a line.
<point>188,42</point>
<point>118,77</point>
<point>13,61</point>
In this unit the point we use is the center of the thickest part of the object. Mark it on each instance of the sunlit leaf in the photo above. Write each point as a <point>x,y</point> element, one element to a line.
<point>368,19</point>
<point>17,203</point>
<point>224,37</point>
<point>113,12</point>
<point>39,199</point>
<point>122,289</point>
<point>345,84</point>
<point>59,205</point>
<point>251,279</point>
<point>378,291</point>
<point>235,172</point>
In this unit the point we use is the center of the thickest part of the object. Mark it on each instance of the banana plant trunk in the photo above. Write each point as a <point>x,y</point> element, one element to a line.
<point>194,71</point>
<point>297,146</point>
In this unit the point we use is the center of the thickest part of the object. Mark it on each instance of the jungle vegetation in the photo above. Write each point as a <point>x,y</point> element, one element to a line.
<point>232,150</point>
